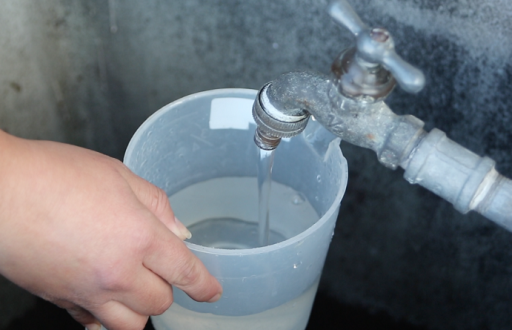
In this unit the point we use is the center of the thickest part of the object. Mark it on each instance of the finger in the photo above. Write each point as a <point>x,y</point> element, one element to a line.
<point>84,317</point>
<point>150,294</point>
<point>175,263</point>
<point>156,200</point>
<point>116,316</point>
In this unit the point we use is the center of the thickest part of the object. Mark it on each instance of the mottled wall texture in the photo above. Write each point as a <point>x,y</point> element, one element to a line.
<point>89,72</point>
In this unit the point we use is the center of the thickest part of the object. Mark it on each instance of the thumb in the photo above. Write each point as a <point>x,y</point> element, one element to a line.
<point>156,201</point>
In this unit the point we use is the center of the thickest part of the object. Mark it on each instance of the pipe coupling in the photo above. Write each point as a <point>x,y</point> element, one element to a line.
<point>276,122</point>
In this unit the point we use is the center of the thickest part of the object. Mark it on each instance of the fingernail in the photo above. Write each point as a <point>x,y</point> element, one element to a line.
<point>215,298</point>
<point>93,326</point>
<point>184,232</point>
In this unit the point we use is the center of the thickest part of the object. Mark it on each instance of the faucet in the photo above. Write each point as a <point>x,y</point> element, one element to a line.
<point>350,104</point>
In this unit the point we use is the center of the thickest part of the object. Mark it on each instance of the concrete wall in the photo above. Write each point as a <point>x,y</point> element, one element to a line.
<point>89,72</point>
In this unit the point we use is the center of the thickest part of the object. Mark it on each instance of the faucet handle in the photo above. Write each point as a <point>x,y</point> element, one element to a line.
<point>343,13</point>
<point>376,46</point>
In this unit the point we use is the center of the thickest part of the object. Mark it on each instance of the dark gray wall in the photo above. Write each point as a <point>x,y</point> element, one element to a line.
<point>89,73</point>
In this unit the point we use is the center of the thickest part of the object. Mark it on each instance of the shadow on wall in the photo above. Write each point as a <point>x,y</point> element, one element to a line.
<point>14,302</point>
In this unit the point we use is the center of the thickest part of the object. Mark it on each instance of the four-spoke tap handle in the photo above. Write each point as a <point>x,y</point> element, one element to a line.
<point>376,46</point>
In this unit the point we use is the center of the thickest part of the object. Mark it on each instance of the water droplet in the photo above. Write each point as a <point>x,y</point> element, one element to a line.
<point>297,199</point>
<point>295,266</point>
<point>318,178</point>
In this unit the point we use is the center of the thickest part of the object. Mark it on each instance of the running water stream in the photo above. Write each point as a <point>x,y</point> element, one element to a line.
<point>266,161</point>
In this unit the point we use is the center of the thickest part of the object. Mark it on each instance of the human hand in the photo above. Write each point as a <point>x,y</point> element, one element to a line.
<point>80,230</point>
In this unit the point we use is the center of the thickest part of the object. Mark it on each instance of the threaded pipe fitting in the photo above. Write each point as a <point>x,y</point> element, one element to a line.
<point>273,122</point>
<point>265,141</point>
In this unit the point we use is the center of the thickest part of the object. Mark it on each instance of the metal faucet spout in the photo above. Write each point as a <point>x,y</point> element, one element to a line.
<point>351,105</point>
<point>369,125</point>
<point>283,106</point>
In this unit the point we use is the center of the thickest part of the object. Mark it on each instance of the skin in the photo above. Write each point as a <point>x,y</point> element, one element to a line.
<point>79,229</point>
